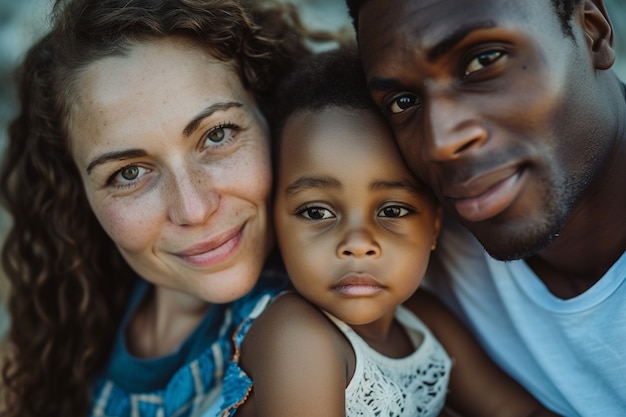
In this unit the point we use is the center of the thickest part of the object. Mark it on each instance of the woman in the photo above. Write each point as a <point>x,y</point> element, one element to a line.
<point>138,175</point>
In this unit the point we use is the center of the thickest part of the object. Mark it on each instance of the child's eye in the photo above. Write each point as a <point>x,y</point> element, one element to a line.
<point>315,213</point>
<point>482,61</point>
<point>403,103</point>
<point>394,211</point>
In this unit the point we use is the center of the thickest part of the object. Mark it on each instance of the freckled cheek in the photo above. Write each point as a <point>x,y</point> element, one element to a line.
<point>252,175</point>
<point>133,227</point>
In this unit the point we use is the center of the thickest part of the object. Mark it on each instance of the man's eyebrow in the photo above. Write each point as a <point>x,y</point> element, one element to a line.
<point>115,156</point>
<point>193,124</point>
<point>383,84</point>
<point>435,53</point>
<point>305,183</point>
<point>453,39</point>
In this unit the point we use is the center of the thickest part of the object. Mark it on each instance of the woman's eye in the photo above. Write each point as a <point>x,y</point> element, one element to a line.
<point>481,61</point>
<point>216,135</point>
<point>315,213</point>
<point>403,103</point>
<point>219,134</point>
<point>393,211</point>
<point>128,175</point>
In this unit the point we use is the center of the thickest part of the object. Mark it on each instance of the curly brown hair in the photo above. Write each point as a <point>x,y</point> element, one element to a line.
<point>69,284</point>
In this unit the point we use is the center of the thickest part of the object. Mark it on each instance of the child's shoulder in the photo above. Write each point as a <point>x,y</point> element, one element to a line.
<point>289,316</point>
<point>292,330</point>
<point>294,321</point>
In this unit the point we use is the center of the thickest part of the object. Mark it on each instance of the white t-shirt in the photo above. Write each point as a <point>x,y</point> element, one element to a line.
<point>570,354</point>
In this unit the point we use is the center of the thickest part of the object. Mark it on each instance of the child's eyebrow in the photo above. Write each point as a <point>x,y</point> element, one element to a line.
<point>305,183</point>
<point>384,185</point>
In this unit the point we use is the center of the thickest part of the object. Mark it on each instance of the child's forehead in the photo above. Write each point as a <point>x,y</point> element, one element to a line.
<point>351,147</point>
<point>338,138</point>
<point>336,127</point>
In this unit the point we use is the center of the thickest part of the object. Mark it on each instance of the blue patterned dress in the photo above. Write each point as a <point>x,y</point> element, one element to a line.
<point>187,382</point>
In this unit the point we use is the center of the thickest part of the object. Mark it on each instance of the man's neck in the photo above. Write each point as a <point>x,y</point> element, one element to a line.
<point>594,236</point>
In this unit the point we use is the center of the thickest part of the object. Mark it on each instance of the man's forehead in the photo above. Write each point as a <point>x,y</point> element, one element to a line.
<point>438,23</point>
<point>421,15</point>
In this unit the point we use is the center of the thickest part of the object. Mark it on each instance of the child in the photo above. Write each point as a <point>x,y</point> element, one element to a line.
<point>356,230</point>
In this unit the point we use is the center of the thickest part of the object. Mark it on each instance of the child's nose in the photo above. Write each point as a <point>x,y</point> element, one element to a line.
<point>358,244</point>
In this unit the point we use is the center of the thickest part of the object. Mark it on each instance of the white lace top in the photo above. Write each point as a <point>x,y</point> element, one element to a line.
<point>413,386</point>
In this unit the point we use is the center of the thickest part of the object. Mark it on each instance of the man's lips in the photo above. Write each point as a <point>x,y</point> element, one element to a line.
<point>486,195</point>
<point>358,285</point>
<point>213,251</point>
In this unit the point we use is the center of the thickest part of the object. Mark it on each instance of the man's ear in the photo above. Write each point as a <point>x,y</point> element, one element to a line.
<point>598,33</point>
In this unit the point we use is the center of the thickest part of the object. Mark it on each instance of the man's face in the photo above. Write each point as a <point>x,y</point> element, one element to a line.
<point>493,106</point>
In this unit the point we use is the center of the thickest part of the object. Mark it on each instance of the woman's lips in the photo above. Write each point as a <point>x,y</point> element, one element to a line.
<point>358,285</point>
<point>492,201</point>
<point>213,252</point>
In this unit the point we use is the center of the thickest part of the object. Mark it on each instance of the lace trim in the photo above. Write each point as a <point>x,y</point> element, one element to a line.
<point>414,386</point>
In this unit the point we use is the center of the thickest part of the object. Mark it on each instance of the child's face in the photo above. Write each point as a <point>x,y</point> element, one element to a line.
<point>354,226</point>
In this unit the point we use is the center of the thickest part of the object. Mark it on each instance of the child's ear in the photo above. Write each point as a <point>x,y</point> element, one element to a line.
<point>598,33</point>
<point>437,228</point>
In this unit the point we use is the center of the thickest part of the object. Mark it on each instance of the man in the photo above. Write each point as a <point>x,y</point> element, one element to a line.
<point>510,110</point>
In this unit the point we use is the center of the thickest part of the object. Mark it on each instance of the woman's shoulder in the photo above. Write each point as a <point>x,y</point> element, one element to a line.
<point>267,287</point>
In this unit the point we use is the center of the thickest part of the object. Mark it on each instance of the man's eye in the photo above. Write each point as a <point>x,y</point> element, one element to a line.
<point>403,103</point>
<point>315,213</point>
<point>393,211</point>
<point>481,61</point>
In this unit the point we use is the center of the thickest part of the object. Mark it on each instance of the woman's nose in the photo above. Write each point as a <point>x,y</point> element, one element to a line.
<point>358,244</point>
<point>193,199</point>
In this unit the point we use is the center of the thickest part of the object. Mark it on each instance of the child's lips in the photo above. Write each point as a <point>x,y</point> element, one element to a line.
<point>358,285</point>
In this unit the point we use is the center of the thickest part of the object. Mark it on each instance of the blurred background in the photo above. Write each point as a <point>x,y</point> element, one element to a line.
<point>23,21</point>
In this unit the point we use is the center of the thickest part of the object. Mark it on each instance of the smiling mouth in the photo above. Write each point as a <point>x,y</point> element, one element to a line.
<point>213,252</point>
<point>488,199</point>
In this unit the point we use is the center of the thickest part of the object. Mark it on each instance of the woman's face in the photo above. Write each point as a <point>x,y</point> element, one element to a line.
<point>174,157</point>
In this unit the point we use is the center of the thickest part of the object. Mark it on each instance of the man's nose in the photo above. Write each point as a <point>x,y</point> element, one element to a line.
<point>453,128</point>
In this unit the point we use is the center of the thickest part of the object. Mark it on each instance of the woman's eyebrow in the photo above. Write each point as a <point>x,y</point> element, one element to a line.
<point>222,106</point>
<point>114,156</point>
<point>191,126</point>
